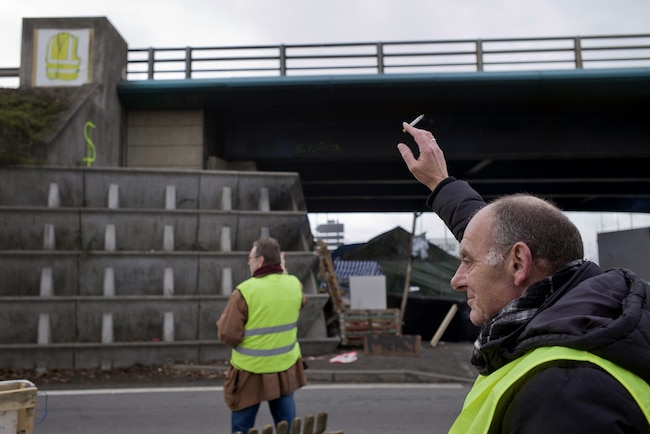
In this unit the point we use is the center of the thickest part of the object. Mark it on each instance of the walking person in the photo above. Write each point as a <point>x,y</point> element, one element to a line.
<point>564,346</point>
<point>259,323</point>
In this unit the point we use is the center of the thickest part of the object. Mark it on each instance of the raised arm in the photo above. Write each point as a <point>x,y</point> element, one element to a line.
<point>453,200</point>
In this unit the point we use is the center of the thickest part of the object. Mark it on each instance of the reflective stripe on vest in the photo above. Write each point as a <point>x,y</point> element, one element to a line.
<point>270,342</point>
<point>483,399</point>
<point>268,330</point>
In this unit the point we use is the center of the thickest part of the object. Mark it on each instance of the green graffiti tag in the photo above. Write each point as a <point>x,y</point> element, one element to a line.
<point>90,146</point>
<point>314,148</point>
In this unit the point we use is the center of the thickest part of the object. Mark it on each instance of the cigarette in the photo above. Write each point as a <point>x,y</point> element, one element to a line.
<point>414,122</point>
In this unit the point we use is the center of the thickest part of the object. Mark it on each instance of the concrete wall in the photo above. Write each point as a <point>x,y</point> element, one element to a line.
<point>165,139</point>
<point>74,294</point>
<point>95,116</point>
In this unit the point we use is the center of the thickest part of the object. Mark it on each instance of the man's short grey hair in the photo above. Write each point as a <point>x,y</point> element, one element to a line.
<point>549,234</point>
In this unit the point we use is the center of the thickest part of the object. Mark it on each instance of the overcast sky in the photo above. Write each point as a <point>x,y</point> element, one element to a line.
<point>180,23</point>
<point>176,23</point>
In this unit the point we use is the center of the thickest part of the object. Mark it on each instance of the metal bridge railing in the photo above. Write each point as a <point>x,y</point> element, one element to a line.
<point>461,55</point>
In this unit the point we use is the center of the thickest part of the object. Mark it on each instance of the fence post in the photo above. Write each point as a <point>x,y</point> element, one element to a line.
<point>283,60</point>
<point>578,52</point>
<point>150,62</point>
<point>188,62</point>
<point>380,58</point>
<point>479,55</point>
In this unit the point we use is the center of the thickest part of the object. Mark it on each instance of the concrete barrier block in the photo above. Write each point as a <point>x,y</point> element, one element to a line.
<point>30,186</point>
<point>139,274</point>
<point>210,229</point>
<point>137,319</point>
<point>21,273</point>
<point>212,266</point>
<point>280,188</point>
<point>213,188</point>
<point>24,228</point>
<point>142,189</point>
<point>139,230</point>
<point>286,227</point>
<point>30,313</point>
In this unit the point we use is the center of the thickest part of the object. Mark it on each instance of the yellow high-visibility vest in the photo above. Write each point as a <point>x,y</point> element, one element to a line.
<point>483,399</point>
<point>270,341</point>
<point>62,61</point>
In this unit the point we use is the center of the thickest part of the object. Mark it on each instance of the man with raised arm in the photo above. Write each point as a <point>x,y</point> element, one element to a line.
<point>564,346</point>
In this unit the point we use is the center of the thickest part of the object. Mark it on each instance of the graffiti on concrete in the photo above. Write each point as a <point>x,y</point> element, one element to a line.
<point>318,148</point>
<point>90,146</point>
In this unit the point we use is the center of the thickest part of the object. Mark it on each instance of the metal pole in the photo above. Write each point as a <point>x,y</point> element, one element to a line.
<point>283,60</point>
<point>578,52</point>
<point>188,62</point>
<point>150,63</point>
<point>407,278</point>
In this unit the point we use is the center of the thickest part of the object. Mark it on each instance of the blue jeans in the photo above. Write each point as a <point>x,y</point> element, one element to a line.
<point>282,408</point>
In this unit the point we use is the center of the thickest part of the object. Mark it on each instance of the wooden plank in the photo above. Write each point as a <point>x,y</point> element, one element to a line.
<point>443,326</point>
<point>21,397</point>
<point>392,345</point>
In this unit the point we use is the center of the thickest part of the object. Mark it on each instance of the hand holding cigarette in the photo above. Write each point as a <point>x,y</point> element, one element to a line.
<point>414,122</point>
<point>430,167</point>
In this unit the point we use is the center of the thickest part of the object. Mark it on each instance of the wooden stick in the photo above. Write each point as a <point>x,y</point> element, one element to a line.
<point>443,326</point>
<point>283,427</point>
<point>321,423</point>
<point>309,425</point>
<point>296,424</point>
<point>407,279</point>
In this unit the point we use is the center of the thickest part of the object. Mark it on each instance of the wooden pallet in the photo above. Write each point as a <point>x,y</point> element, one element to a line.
<point>355,325</point>
<point>17,405</point>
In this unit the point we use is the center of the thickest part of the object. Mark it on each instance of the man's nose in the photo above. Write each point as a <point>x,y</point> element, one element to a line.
<point>458,281</point>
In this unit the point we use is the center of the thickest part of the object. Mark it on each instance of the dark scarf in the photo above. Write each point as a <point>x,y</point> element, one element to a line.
<point>517,313</point>
<point>268,269</point>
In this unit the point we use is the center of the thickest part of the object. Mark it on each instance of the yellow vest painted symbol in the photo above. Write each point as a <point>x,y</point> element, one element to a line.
<point>61,60</point>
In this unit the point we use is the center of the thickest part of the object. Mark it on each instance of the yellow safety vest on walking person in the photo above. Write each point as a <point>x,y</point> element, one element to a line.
<point>270,341</point>
<point>482,401</point>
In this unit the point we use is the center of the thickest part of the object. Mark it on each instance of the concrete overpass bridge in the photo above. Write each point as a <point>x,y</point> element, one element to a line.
<point>566,118</point>
<point>125,260</point>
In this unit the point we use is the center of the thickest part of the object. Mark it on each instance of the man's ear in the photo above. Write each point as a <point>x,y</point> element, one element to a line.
<point>521,264</point>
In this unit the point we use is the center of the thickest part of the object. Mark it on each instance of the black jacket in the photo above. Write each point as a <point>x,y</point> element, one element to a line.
<point>605,313</point>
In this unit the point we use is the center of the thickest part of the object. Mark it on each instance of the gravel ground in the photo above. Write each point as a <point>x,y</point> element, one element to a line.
<point>136,376</point>
<point>446,359</point>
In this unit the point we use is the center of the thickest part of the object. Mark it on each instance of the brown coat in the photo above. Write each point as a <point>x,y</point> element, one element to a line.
<point>243,389</point>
